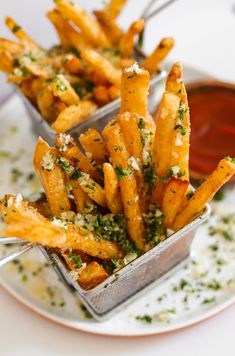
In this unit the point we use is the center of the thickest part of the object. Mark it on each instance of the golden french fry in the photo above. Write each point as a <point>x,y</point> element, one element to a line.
<point>134,90</point>
<point>80,197</point>
<point>68,148</point>
<point>173,196</point>
<point>103,67</point>
<point>92,142</point>
<point>26,88</point>
<point>42,206</point>
<point>68,35</point>
<point>152,62</point>
<point>56,20</point>
<point>73,64</point>
<point>128,39</point>
<point>112,189</point>
<point>205,192</point>
<point>162,149</point>
<point>89,186</point>
<point>101,94</point>
<point>115,7</point>
<point>92,275</point>
<point>175,85</point>
<point>45,102</point>
<point>109,26</point>
<point>21,35</point>
<point>6,63</point>
<point>129,191</point>
<point>61,88</point>
<point>72,115</point>
<point>88,25</point>
<point>52,177</point>
<point>14,48</point>
<point>114,92</point>
<point>25,222</point>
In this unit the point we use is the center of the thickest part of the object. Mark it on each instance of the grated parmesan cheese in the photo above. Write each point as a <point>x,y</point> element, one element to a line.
<point>48,162</point>
<point>134,68</point>
<point>134,163</point>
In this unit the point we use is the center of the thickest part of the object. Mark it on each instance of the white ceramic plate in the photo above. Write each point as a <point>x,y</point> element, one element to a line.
<point>198,290</point>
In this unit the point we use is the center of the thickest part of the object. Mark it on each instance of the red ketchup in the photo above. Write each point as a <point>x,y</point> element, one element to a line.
<point>212,114</point>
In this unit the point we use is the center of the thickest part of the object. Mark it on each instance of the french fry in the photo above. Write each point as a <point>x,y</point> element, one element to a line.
<point>90,187</point>
<point>129,123</point>
<point>88,25</point>
<point>80,197</point>
<point>166,119</point>
<point>52,177</point>
<point>72,115</point>
<point>45,102</point>
<point>109,26</point>
<point>69,37</point>
<point>14,48</point>
<point>128,185</point>
<point>101,95</point>
<point>26,223</point>
<point>21,35</point>
<point>128,39</point>
<point>56,20</point>
<point>112,189</point>
<point>92,142</point>
<point>152,62</point>
<point>205,192</point>
<point>173,196</point>
<point>92,275</point>
<point>134,90</point>
<point>114,92</point>
<point>68,148</point>
<point>61,88</point>
<point>175,85</point>
<point>6,64</point>
<point>72,64</point>
<point>42,206</point>
<point>26,88</point>
<point>115,7</point>
<point>103,67</point>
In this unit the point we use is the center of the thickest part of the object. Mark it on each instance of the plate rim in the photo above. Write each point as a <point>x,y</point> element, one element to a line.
<point>212,312</point>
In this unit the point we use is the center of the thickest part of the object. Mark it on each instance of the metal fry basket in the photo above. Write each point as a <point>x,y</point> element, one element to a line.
<point>134,279</point>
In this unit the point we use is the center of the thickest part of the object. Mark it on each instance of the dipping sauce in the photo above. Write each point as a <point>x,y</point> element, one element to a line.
<point>212,113</point>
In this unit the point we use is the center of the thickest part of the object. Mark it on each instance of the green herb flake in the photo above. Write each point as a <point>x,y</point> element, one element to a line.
<point>76,259</point>
<point>123,172</point>
<point>146,318</point>
<point>219,195</point>
<point>16,28</point>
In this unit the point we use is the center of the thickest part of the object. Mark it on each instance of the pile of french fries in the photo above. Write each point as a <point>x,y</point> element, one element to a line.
<point>125,192</point>
<point>70,81</point>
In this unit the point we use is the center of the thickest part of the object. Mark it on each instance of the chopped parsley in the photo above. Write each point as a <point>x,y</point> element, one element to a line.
<point>76,174</point>
<point>149,175</point>
<point>76,259</point>
<point>172,172</point>
<point>16,28</point>
<point>123,172</point>
<point>155,230</point>
<point>219,195</point>
<point>147,318</point>
<point>83,89</point>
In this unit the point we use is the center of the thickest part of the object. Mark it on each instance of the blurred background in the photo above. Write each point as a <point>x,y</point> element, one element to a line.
<point>204,30</point>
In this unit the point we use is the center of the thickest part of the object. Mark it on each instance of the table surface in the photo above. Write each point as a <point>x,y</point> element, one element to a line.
<point>204,33</point>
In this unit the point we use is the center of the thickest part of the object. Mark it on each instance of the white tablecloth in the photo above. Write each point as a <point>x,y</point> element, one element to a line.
<point>204,31</point>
